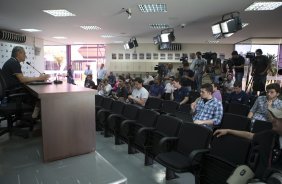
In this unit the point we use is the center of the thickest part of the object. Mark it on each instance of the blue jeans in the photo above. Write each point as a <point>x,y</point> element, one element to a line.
<point>239,76</point>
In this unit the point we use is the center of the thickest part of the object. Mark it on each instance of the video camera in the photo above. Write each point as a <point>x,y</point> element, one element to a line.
<point>209,55</point>
<point>184,59</point>
<point>160,69</point>
<point>250,55</point>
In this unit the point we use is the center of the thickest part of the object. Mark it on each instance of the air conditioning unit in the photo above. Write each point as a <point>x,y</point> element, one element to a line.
<point>170,46</point>
<point>13,37</point>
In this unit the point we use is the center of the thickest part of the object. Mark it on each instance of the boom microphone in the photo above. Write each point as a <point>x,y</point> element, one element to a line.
<point>33,67</point>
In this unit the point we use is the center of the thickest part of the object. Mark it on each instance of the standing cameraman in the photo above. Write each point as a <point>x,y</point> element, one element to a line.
<point>238,65</point>
<point>260,67</point>
<point>199,67</point>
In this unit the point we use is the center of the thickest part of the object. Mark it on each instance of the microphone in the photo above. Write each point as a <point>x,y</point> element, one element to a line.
<point>33,67</point>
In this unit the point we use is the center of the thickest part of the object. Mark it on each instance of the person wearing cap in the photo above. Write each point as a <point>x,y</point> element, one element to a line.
<point>238,65</point>
<point>268,143</point>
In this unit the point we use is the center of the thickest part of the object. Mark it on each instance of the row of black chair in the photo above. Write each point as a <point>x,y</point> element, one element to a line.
<point>176,145</point>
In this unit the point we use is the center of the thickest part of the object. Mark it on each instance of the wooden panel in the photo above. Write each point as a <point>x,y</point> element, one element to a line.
<point>68,120</point>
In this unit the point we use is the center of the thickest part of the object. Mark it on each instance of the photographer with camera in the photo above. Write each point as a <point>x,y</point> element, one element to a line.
<point>186,76</point>
<point>199,66</point>
<point>260,67</point>
<point>238,65</point>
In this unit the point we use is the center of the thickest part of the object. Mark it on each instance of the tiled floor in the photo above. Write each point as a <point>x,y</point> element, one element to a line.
<point>21,163</point>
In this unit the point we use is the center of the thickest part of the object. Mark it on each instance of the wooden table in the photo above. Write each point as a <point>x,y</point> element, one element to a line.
<point>68,119</point>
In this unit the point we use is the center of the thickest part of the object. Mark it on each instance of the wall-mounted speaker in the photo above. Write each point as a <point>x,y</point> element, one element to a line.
<point>13,37</point>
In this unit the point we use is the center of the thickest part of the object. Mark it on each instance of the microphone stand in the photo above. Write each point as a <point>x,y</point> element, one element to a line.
<point>34,68</point>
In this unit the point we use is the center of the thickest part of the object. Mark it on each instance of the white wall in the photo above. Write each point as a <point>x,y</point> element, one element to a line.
<point>130,65</point>
<point>30,46</point>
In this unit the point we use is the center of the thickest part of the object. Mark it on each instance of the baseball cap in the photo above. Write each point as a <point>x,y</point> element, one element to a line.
<point>277,113</point>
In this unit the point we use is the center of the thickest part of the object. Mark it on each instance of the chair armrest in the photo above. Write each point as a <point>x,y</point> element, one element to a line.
<point>167,143</point>
<point>145,130</point>
<point>128,123</point>
<point>196,155</point>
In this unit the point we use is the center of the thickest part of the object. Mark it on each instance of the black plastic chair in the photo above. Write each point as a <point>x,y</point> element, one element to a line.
<point>236,122</point>
<point>259,126</point>
<point>239,109</point>
<point>12,107</point>
<point>178,159</point>
<point>147,139</point>
<point>226,153</point>
<point>169,107</point>
<point>114,121</point>
<point>153,103</point>
<point>129,128</point>
<point>107,105</point>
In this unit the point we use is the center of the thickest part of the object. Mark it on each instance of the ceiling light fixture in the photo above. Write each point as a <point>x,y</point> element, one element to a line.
<point>60,37</point>
<point>107,36</point>
<point>90,27</point>
<point>59,13</point>
<point>152,8</point>
<point>263,6</point>
<point>131,44</point>
<point>31,30</point>
<point>229,24</point>
<point>159,26</point>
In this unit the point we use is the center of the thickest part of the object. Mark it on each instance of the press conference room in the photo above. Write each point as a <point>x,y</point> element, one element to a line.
<point>81,136</point>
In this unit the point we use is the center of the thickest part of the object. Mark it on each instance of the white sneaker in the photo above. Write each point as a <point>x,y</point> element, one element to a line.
<point>35,113</point>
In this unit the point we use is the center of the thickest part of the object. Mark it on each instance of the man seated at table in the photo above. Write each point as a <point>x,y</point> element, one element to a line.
<point>12,70</point>
<point>207,111</point>
<point>13,74</point>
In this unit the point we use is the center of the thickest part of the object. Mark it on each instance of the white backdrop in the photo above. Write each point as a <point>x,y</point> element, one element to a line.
<point>5,53</point>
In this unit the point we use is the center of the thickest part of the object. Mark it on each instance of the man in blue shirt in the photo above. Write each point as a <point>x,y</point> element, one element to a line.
<point>180,93</point>
<point>238,95</point>
<point>207,110</point>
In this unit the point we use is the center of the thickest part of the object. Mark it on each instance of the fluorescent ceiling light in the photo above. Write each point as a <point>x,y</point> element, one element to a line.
<point>90,28</point>
<point>152,8</point>
<point>228,35</point>
<point>59,37</point>
<point>164,37</point>
<point>107,36</point>
<point>245,24</point>
<point>59,13</point>
<point>216,29</point>
<point>261,6</point>
<point>118,41</point>
<point>213,41</point>
<point>31,30</point>
<point>126,46</point>
<point>159,26</point>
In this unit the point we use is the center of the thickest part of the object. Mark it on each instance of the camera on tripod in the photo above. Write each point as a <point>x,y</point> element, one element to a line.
<point>184,59</point>
<point>160,69</point>
<point>250,55</point>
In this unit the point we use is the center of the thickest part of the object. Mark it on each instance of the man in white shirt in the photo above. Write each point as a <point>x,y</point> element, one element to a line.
<point>147,79</point>
<point>139,94</point>
<point>104,88</point>
<point>88,71</point>
<point>101,74</point>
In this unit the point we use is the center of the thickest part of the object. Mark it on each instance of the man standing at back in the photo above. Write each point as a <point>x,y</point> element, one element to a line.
<point>199,66</point>
<point>101,74</point>
<point>238,65</point>
<point>12,70</point>
<point>260,67</point>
